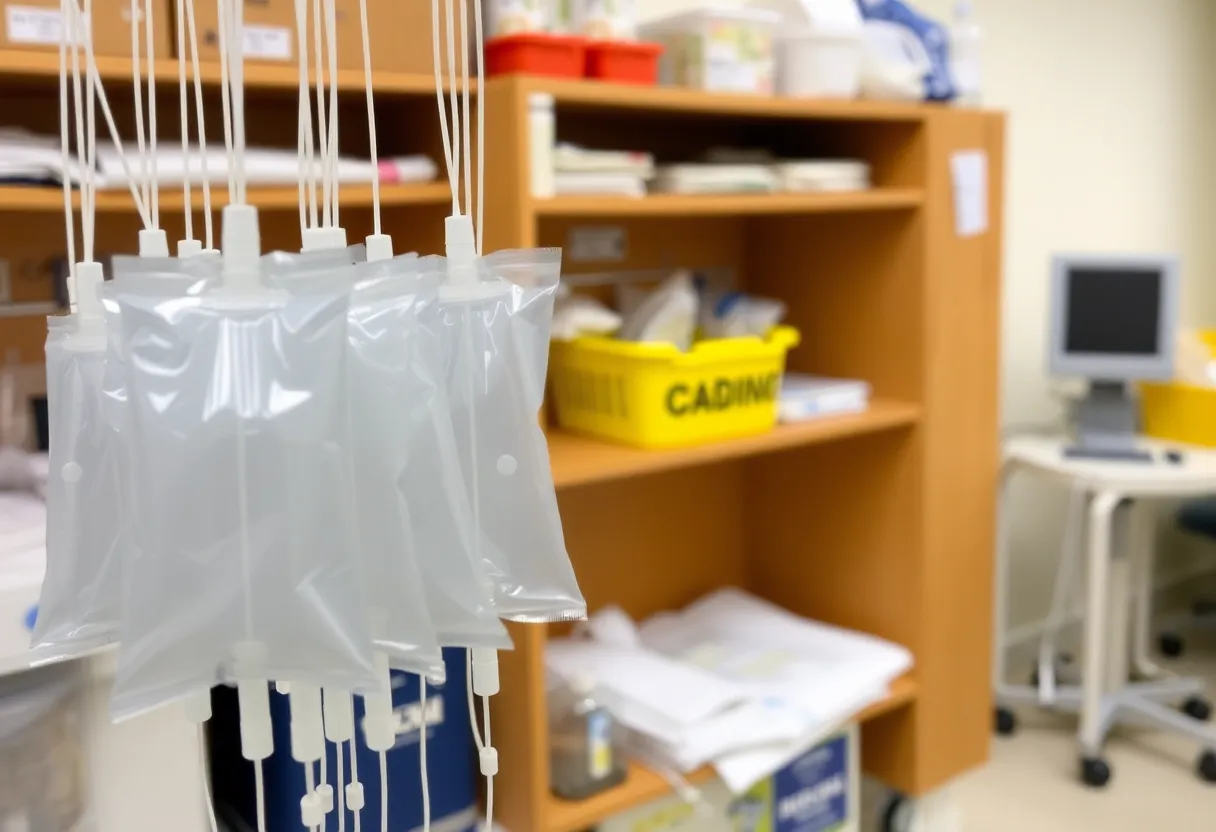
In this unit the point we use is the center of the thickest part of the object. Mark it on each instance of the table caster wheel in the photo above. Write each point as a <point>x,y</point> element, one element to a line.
<point>1006,722</point>
<point>1171,644</point>
<point>1207,767</point>
<point>1095,772</point>
<point>1197,708</point>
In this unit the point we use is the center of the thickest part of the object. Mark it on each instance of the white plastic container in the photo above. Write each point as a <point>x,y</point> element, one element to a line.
<point>966,51</point>
<point>605,19</point>
<point>718,49</point>
<point>823,63</point>
<point>511,17</point>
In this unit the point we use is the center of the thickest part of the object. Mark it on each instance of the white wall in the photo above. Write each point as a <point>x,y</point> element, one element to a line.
<point>1112,119</point>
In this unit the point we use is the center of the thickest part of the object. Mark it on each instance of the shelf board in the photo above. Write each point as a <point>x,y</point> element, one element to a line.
<point>35,198</point>
<point>644,786</point>
<point>44,66</point>
<point>598,95</point>
<point>578,460</point>
<point>691,205</point>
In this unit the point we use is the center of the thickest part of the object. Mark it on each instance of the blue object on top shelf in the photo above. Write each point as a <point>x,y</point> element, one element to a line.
<point>939,82</point>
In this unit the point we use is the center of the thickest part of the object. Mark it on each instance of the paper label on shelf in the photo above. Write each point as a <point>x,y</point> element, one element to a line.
<point>271,43</point>
<point>600,244</point>
<point>29,24</point>
<point>970,171</point>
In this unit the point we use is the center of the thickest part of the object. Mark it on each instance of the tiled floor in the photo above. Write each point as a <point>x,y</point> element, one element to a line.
<point>1031,785</point>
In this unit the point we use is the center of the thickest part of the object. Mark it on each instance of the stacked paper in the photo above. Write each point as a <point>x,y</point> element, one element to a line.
<point>732,680</point>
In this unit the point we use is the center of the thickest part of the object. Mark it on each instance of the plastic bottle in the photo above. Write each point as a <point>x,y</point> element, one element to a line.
<point>966,49</point>
<point>582,742</point>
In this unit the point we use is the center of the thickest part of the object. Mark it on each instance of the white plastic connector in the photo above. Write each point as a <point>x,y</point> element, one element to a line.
<point>153,242</point>
<point>379,247</point>
<point>283,687</point>
<point>488,758</point>
<point>257,732</point>
<point>307,728</point>
<point>485,672</point>
<point>198,707</point>
<point>189,248</point>
<point>241,246</point>
<point>339,716</point>
<point>89,277</point>
<point>322,239</point>
<point>461,245</point>
<point>355,800</point>
<point>253,695</point>
<point>379,725</point>
<point>312,810</point>
<point>326,793</point>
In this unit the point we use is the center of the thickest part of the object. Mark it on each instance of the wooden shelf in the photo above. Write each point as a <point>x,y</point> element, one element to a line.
<point>578,460</point>
<point>698,205</point>
<point>35,198</point>
<point>44,66</point>
<point>644,786</point>
<point>598,95</point>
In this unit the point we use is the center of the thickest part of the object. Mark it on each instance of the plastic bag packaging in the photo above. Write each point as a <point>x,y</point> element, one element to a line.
<point>79,607</point>
<point>459,594</point>
<point>576,315</point>
<point>738,315</point>
<point>241,558</point>
<point>495,339</point>
<point>667,315</point>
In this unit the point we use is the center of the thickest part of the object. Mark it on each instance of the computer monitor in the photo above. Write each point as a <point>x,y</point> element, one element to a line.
<point>1113,321</point>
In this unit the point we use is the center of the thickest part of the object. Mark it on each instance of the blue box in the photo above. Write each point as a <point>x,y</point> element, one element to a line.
<point>452,761</point>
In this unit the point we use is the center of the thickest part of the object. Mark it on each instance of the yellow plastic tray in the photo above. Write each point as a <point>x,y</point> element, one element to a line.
<point>655,396</point>
<point>1181,412</point>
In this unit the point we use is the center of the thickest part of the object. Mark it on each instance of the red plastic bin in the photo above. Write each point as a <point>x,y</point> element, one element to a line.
<point>624,62</point>
<point>536,53</point>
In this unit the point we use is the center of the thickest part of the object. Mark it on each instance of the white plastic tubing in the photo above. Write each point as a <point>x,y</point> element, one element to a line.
<point>454,142</point>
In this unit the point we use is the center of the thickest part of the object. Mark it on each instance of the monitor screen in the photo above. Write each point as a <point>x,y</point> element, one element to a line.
<point>1113,311</point>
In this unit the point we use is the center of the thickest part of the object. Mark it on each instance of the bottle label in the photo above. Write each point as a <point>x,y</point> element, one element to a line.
<point>599,744</point>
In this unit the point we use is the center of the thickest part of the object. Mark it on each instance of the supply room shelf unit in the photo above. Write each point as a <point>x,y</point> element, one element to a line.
<point>881,521</point>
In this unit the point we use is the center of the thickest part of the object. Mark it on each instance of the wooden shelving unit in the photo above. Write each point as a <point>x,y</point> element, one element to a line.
<point>881,521</point>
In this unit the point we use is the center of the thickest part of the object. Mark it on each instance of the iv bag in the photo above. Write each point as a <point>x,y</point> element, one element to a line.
<point>81,594</point>
<point>495,337</point>
<point>242,535</point>
<point>459,594</point>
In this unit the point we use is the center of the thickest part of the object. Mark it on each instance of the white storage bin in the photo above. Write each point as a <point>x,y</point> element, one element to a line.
<point>718,49</point>
<point>821,64</point>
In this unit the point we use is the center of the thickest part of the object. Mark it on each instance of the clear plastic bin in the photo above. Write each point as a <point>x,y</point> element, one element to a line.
<point>724,50</point>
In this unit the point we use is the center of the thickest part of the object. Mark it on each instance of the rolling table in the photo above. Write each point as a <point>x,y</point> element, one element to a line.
<point>1119,579</point>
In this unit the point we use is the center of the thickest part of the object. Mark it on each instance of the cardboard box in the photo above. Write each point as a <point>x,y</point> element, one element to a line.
<point>400,32</point>
<point>36,25</point>
<point>270,31</point>
<point>820,791</point>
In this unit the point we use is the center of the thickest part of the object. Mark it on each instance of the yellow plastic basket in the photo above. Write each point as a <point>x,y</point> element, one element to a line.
<point>655,396</point>
<point>1181,412</point>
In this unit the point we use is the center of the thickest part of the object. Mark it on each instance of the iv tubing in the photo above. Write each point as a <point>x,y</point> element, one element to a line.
<point>426,782</point>
<point>371,123</point>
<point>91,64</point>
<point>322,133</point>
<point>153,182</point>
<point>208,229</point>
<point>331,167</point>
<point>88,218</point>
<point>443,118</point>
<point>136,70</point>
<point>225,94</point>
<point>69,216</point>
<point>354,778</point>
<point>184,104</point>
